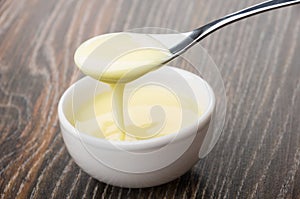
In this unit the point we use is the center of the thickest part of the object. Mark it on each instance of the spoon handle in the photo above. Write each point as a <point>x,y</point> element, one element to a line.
<point>200,33</point>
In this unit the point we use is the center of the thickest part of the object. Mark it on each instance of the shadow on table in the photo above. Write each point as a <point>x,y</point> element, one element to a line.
<point>190,185</point>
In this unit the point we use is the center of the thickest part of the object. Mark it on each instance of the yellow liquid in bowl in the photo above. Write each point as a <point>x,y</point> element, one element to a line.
<point>150,111</point>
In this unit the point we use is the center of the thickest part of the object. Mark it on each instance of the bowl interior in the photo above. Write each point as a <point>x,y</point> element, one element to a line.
<point>188,84</point>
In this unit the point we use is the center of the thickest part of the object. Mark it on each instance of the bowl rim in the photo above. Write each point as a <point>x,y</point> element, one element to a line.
<point>183,133</point>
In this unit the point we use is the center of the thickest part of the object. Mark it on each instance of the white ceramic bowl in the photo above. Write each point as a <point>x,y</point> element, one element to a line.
<point>143,163</point>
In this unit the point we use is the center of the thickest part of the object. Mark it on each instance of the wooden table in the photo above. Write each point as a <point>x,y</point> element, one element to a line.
<point>258,154</point>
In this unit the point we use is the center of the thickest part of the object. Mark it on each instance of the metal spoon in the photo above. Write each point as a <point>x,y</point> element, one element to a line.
<point>200,33</point>
<point>105,63</point>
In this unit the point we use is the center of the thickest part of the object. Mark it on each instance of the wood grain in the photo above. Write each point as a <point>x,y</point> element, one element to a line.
<point>258,154</point>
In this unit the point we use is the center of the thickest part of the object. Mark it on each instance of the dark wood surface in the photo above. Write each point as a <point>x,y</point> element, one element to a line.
<point>258,154</point>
